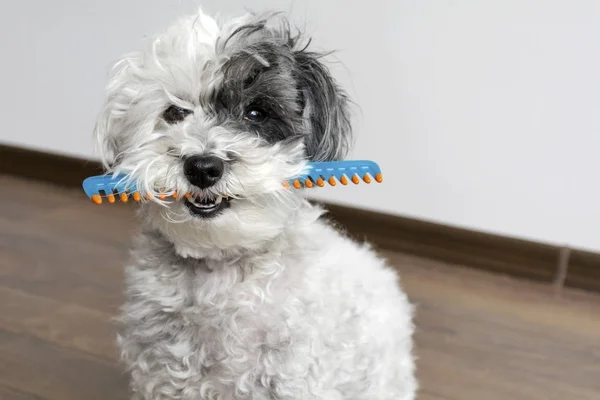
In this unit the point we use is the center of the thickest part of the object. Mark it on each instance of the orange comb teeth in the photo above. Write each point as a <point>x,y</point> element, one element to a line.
<point>297,184</point>
<point>97,199</point>
<point>115,187</point>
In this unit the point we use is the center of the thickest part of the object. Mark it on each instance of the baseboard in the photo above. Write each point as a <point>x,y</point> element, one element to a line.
<point>505,255</point>
<point>48,167</point>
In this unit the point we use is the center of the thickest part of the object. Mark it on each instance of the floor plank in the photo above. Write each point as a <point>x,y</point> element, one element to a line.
<point>67,325</point>
<point>11,394</point>
<point>32,366</point>
<point>479,336</point>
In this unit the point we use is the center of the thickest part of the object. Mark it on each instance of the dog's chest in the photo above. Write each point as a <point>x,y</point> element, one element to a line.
<point>202,323</point>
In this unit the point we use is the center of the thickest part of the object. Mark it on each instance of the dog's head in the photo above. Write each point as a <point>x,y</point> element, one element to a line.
<point>227,113</point>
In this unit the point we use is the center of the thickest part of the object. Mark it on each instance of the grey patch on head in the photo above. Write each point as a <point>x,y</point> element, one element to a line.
<point>326,108</point>
<point>268,67</point>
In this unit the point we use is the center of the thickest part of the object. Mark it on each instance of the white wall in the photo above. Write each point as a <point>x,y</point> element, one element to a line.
<point>483,114</point>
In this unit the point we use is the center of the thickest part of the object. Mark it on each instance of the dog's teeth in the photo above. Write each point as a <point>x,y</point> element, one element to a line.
<point>218,200</point>
<point>194,199</point>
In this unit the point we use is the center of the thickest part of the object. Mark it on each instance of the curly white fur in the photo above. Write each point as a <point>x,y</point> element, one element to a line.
<point>265,300</point>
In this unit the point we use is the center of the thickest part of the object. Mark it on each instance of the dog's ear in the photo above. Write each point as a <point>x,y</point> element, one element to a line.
<point>325,109</point>
<point>110,122</point>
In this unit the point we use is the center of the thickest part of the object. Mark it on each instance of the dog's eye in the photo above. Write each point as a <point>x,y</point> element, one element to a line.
<point>175,114</point>
<point>255,115</point>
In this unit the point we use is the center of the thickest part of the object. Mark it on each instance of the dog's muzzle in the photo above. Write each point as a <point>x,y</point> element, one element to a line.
<point>203,171</point>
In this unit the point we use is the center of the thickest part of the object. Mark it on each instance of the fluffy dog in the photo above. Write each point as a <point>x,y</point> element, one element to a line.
<point>243,291</point>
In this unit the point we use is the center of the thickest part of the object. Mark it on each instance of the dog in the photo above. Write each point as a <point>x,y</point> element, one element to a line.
<point>242,290</point>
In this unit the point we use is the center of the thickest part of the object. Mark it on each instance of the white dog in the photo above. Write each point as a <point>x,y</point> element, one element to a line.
<point>242,291</point>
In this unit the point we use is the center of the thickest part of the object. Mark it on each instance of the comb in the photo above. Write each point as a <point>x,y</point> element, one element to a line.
<point>319,174</point>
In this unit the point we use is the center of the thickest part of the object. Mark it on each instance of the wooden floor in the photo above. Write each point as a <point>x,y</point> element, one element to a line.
<point>480,337</point>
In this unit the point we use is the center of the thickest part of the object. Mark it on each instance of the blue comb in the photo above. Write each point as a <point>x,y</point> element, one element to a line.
<point>318,174</point>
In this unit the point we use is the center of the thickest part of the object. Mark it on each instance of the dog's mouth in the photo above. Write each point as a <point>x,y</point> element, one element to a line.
<point>207,207</point>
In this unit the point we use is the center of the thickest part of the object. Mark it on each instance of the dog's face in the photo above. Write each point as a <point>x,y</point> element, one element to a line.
<point>226,113</point>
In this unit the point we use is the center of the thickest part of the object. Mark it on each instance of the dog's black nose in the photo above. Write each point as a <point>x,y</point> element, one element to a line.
<point>203,171</point>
